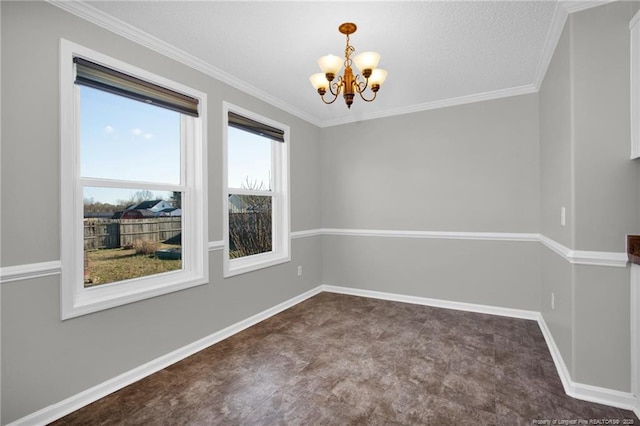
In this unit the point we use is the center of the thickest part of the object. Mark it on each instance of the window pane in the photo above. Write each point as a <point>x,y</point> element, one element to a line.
<point>249,160</point>
<point>130,234</point>
<point>249,225</point>
<point>125,139</point>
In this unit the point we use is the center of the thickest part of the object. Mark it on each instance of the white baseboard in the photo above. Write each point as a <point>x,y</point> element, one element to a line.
<point>561,367</point>
<point>438,303</point>
<point>615,398</point>
<point>75,402</point>
<point>581,391</point>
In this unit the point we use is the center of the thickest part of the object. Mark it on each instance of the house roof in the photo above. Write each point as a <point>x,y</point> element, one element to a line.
<point>147,204</point>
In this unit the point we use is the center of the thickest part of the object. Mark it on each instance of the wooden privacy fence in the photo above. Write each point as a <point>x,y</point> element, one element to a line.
<point>114,233</point>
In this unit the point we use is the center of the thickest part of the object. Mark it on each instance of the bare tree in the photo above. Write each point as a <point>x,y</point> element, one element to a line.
<point>176,199</point>
<point>92,206</point>
<point>141,195</point>
<point>250,230</point>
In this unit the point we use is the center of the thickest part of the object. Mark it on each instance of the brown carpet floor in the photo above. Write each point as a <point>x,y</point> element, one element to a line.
<point>337,360</point>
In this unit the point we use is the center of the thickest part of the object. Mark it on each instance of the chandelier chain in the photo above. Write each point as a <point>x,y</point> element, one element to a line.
<point>348,50</point>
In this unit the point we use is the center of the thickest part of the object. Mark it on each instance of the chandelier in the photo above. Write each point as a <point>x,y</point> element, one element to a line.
<point>348,84</point>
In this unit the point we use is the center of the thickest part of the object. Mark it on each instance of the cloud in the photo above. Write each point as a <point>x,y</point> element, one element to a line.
<point>136,131</point>
<point>148,136</point>
<point>109,129</point>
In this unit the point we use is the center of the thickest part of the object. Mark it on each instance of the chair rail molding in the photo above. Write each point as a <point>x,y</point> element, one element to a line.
<point>444,235</point>
<point>578,257</point>
<point>29,271</point>
<point>591,258</point>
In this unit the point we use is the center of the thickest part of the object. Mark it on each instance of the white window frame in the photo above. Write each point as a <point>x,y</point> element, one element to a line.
<point>634,27</point>
<point>281,230</point>
<point>77,300</point>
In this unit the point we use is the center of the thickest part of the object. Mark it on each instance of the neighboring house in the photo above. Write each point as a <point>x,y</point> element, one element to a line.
<point>236,205</point>
<point>145,209</point>
<point>247,204</point>
<point>154,206</point>
<point>170,212</point>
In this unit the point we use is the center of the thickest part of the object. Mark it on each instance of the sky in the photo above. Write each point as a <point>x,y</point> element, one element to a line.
<point>249,157</point>
<point>130,140</point>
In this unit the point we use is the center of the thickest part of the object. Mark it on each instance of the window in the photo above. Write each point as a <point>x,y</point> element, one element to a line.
<point>634,26</point>
<point>133,183</point>
<point>256,199</point>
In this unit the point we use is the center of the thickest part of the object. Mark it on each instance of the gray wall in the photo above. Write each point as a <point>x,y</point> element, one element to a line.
<point>45,360</point>
<point>585,166</point>
<point>556,175</point>
<point>500,166</point>
<point>495,273</point>
<point>556,191</point>
<point>605,179</point>
<point>503,166</point>
<point>469,168</point>
<point>465,168</point>
<point>606,182</point>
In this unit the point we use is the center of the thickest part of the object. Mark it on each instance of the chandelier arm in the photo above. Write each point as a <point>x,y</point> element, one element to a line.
<point>335,96</point>
<point>360,86</point>
<point>368,100</point>
<point>337,85</point>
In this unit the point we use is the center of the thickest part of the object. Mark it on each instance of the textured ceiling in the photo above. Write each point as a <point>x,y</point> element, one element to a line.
<point>436,53</point>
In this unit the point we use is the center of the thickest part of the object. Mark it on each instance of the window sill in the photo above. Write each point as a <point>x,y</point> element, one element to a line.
<point>108,296</point>
<point>253,263</point>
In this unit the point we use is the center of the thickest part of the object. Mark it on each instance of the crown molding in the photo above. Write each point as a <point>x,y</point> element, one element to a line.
<point>563,8</point>
<point>634,20</point>
<point>573,6</point>
<point>131,33</point>
<point>443,103</point>
<point>560,15</point>
<point>559,19</point>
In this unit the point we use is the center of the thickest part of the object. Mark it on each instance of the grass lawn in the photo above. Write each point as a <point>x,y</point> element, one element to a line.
<point>110,265</point>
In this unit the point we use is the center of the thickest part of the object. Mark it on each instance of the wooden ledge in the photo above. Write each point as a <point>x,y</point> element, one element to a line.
<point>633,248</point>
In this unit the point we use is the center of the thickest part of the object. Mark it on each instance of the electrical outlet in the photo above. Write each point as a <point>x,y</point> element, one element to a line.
<point>563,216</point>
<point>553,301</point>
<point>299,271</point>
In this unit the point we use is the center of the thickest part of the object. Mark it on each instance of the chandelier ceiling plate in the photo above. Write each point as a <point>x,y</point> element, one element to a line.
<point>347,28</point>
